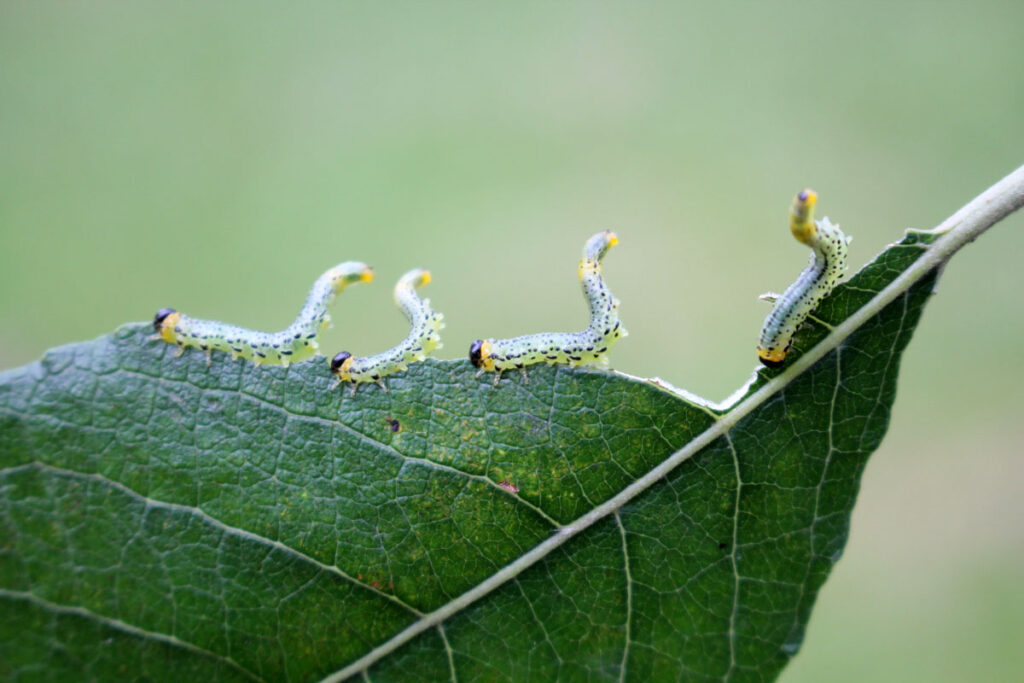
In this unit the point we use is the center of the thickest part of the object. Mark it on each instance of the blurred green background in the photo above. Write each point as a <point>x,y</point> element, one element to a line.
<point>218,159</point>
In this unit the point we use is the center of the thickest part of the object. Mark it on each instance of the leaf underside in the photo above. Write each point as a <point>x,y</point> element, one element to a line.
<point>164,518</point>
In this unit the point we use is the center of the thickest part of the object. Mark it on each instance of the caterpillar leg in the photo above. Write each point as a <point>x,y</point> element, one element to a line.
<point>497,376</point>
<point>355,387</point>
<point>209,357</point>
<point>526,378</point>
<point>181,351</point>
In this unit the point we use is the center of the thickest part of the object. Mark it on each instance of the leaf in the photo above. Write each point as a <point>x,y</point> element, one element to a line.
<point>162,518</point>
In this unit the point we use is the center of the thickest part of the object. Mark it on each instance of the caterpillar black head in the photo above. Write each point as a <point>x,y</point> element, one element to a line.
<point>772,362</point>
<point>160,316</point>
<point>338,362</point>
<point>474,352</point>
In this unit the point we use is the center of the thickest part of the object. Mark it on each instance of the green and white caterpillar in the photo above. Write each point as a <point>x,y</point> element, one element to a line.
<point>828,261</point>
<point>296,342</point>
<point>424,336</point>
<point>572,348</point>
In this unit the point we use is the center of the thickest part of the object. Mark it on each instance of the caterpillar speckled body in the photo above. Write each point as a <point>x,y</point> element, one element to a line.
<point>828,261</point>
<point>572,348</point>
<point>424,336</point>
<point>296,342</point>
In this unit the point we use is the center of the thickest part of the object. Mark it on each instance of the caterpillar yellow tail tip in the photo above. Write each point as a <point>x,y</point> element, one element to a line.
<point>808,196</point>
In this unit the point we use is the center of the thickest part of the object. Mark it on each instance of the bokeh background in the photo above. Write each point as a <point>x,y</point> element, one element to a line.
<point>217,159</point>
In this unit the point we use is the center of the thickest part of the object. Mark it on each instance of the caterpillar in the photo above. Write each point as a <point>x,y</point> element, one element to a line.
<point>424,336</point>
<point>294,343</point>
<point>573,348</point>
<point>828,261</point>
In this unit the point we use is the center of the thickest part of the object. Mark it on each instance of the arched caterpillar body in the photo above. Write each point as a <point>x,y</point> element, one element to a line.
<point>828,261</point>
<point>424,336</point>
<point>296,342</point>
<point>572,348</point>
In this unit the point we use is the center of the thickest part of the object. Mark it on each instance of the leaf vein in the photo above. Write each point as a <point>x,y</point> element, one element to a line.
<point>213,521</point>
<point>126,628</point>
<point>365,438</point>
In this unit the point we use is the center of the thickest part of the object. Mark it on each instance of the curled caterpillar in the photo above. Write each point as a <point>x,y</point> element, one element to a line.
<point>828,261</point>
<point>573,348</point>
<point>296,342</point>
<point>424,336</point>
